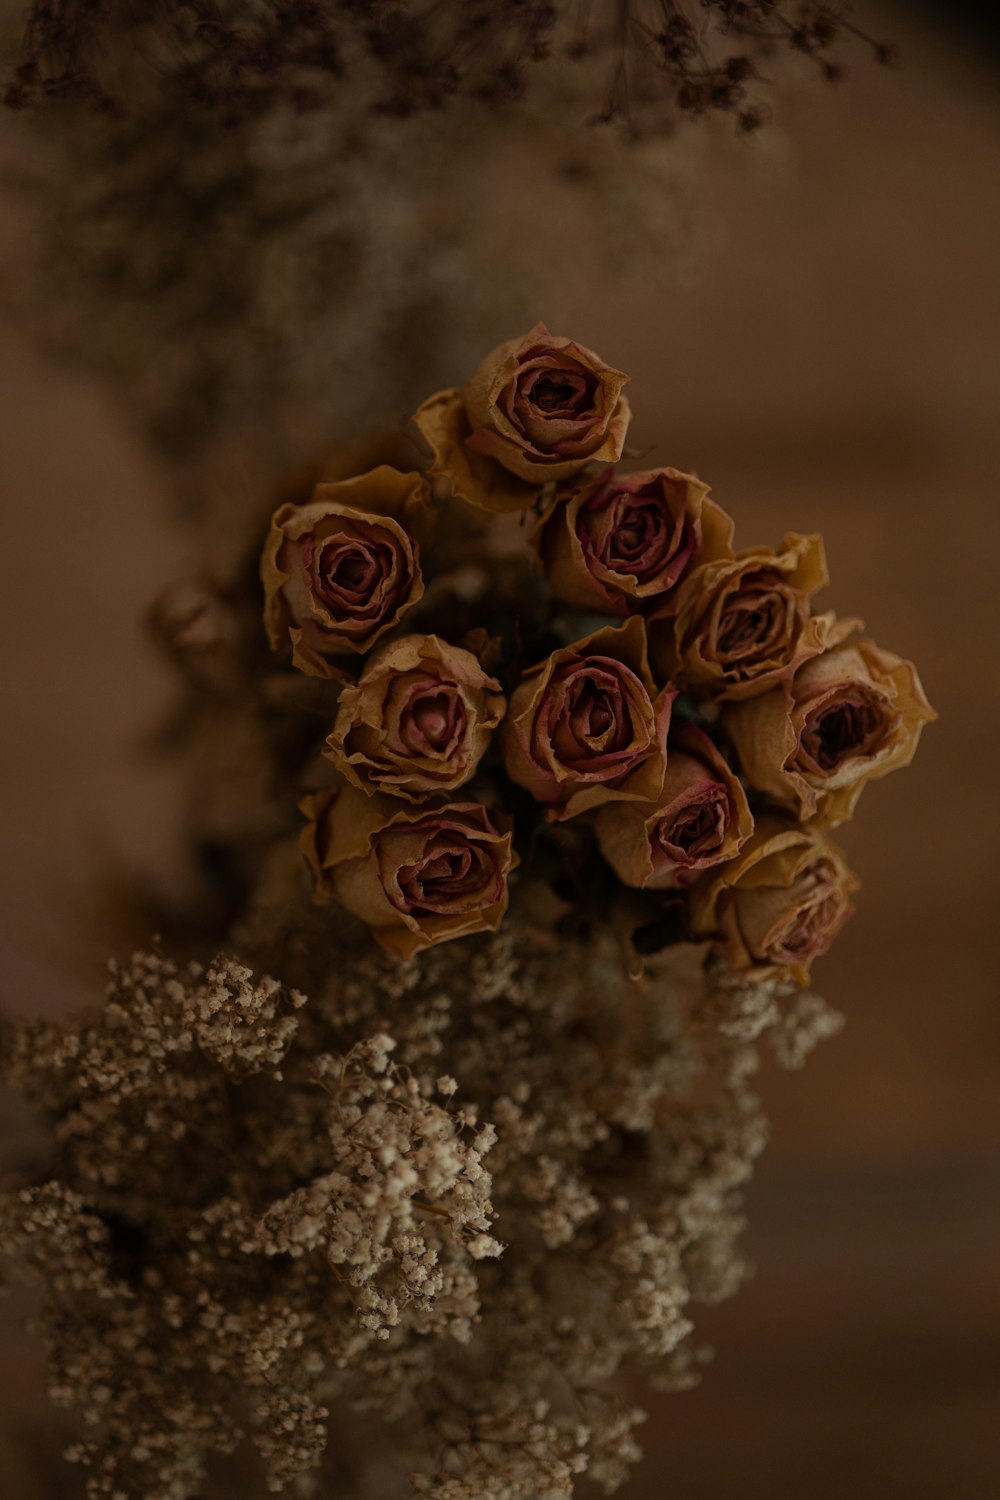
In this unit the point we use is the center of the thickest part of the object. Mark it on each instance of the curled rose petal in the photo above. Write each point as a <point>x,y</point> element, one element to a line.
<point>700,819</point>
<point>537,409</point>
<point>740,624</point>
<point>443,424</point>
<point>587,725</point>
<point>341,570</point>
<point>623,543</point>
<point>848,716</point>
<point>416,875</point>
<point>778,905</point>
<point>418,721</point>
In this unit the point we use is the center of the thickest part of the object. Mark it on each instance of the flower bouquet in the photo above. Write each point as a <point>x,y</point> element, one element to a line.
<point>523,795</point>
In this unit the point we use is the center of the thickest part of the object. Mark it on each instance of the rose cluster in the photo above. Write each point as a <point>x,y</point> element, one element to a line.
<point>542,659</point>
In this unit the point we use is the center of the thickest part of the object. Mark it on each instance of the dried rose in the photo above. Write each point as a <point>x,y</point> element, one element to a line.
<point>418,721</point>
<point>778,904</point>
<point>624,542</point>
<point>341,570</point>
<point>700,818</point>
<point>416,875</point>
<point>587,725</point>
<point>538,409</point>
<point>846,717</point>
<point>741,624</point>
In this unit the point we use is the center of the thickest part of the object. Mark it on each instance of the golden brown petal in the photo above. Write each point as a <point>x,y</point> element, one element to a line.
<point>443,424</point>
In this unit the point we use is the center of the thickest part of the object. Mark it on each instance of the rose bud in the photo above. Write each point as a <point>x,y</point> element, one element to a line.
<point>418,721</point>
<point>778,904</point>
<point>846,717</point>
<point>341,570</point>
<point>622,543</point>
<point>741,624</point>
<point>700,818</point>
<point>538,409</point>
<point>587,725</point>
<point>416,875</point>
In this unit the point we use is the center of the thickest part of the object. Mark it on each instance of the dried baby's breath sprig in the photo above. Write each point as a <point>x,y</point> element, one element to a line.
<point>269,1225</point>
<point>237,1236</point>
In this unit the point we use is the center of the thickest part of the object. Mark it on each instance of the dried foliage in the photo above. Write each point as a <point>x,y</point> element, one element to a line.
<point>234,227</point>
<point>659,58</point>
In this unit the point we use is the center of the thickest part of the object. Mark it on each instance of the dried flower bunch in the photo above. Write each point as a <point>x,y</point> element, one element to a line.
<point>661,58</point>
<point>282,1247</point>
<point>418,1215</point>
<point>669,709</point>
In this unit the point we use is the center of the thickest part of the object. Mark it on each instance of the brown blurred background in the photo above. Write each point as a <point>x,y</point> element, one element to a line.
<point>827,359</point>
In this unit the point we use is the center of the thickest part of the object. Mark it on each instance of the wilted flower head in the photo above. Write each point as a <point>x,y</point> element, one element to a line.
<point>416,875</point>
<point>623,543</point>
<point>700,818</point>
<point>588,726</point>
<point>341,570</point>
<point>418,721</point>
<point>742,623</point>
<point>848,716</point>
<point>538,409</point>
<point>779,904</point>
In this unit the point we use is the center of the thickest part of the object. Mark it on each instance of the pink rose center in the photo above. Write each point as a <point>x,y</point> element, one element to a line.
<point>699,828</point>
<point>434,720</point>
<point>592,720</point>
<point>558,393</point>
<point>755,621</point>
<point>357,576</point>
<point>452,874</point>
<point>855,724</point>
<point>818,913</point>
<point>596,717</point>
<point>645,534</point>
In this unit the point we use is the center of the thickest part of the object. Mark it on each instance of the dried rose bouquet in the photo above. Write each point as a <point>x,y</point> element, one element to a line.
<point>524,793</point>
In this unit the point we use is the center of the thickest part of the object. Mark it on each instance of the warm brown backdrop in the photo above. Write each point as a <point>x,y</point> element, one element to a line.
<point>828,360</point>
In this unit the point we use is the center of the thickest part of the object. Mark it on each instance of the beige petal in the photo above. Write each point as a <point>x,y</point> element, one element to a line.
<point>443,424</point>
<point>339,844</point>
